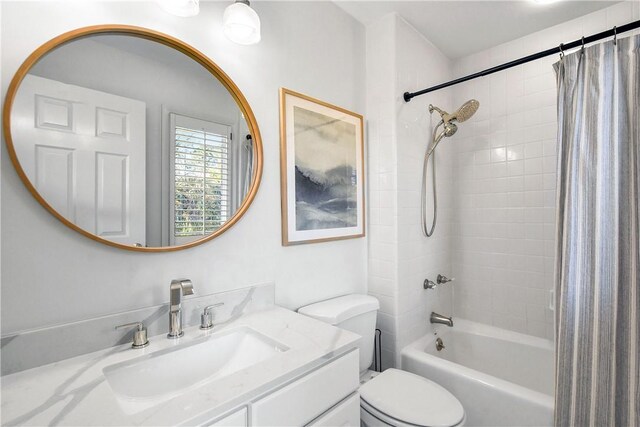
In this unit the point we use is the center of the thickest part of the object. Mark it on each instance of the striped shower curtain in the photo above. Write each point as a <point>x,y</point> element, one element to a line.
<point>598,226</point>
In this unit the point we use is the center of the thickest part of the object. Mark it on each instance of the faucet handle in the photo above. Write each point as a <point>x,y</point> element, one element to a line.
<point>206,318</point>
<point>441,279</point>
<point>428,284</point>
<point>140,339</point>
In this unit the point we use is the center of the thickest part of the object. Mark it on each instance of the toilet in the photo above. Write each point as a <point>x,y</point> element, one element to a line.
<point>394,397</point>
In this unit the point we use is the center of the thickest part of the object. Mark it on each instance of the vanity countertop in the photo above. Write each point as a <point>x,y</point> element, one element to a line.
<point>76,392</point>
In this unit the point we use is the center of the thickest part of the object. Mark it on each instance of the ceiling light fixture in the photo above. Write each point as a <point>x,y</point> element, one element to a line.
<point>241,23</point>
<point>545,1</point>
<point>182,8</point>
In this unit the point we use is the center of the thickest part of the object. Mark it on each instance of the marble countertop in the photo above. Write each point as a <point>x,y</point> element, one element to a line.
<point>76,392</point>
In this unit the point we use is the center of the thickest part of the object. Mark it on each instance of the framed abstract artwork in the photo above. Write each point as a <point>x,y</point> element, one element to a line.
<point>321,170</point>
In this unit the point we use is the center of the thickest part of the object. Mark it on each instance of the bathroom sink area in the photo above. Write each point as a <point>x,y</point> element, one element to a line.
<point>149,380</point>
<point>196,379</point>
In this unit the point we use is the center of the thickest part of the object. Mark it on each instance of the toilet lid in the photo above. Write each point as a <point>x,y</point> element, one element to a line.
<point>412,399</point>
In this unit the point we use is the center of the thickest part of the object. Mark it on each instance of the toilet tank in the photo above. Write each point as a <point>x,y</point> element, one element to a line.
<point>355,313</point>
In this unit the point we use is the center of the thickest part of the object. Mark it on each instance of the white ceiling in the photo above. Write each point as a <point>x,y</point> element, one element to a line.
<point>459,28</point>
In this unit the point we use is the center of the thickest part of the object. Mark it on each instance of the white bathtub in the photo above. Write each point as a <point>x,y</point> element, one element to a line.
<point>502,378</point>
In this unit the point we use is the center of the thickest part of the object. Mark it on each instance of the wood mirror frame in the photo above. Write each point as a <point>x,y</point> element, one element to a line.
<point>171,42</point>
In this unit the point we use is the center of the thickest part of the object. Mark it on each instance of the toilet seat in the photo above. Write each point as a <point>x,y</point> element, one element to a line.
<point>400,398</point>
<point>374,418</point>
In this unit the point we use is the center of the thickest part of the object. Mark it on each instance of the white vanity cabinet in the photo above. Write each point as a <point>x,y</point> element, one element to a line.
<point>321,397</point>
<point>345,413</point>
<point>238,418</point>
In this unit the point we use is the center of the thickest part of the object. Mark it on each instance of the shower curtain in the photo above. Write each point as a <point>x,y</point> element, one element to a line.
<point>598,226</point>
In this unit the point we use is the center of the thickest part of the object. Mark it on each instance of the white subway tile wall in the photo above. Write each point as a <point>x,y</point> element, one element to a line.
<point>400,258</point>
<point>504,180</point>
<point>420,64</point>
<point>382,167</point>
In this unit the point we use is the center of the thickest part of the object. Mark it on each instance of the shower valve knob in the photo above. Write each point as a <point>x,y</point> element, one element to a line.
<point>428,284</point>
<point>443,279</point>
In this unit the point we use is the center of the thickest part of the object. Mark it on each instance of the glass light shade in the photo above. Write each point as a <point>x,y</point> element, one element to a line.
<point>241,24</point>
<point>182,8</point>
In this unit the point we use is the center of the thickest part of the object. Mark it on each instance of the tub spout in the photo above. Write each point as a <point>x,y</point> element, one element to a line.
<point>439,318</point>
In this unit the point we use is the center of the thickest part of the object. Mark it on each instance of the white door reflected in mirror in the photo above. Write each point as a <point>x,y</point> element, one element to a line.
<point>85,154</point>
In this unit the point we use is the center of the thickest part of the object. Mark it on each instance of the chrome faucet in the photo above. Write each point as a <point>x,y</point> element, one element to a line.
<point>439,318</point>
<point>178,289</point>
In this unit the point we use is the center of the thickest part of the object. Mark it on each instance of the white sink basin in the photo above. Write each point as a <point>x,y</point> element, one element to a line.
<point>146,381</point>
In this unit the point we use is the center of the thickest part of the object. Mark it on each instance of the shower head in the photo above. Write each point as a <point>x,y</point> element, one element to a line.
<point>467,110</point>
<point>450,129</point>
<point>462,114</point>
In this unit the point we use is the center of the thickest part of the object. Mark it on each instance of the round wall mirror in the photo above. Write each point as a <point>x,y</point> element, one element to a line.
<point>133,138</point>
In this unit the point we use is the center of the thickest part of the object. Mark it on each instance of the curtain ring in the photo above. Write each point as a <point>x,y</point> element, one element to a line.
<point>583,43</point>
<point>615,35</point>
<point>561,51</point>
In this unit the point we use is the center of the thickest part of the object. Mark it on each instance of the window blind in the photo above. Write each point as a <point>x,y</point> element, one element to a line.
<point>201,178</point>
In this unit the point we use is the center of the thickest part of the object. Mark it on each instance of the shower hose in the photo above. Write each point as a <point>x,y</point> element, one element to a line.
<point>426,230</point>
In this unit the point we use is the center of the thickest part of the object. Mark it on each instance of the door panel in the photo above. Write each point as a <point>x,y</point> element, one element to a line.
<point>85,152</point>
<point>112,211</point>
<point>52,113</point>
<point>112,124</point>
<point>55,178</point>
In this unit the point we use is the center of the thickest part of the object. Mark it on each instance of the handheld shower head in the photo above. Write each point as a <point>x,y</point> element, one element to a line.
<point>450,129</point>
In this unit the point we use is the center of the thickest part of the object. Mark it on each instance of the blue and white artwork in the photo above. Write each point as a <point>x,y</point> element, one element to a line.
<point>326,179</point>
<point>322,167</point>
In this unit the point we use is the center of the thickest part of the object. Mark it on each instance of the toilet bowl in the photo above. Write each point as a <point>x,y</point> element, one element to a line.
<point>394,397</point>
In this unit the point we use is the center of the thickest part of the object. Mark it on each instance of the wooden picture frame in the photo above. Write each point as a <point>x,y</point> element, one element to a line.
<point>321,170</point>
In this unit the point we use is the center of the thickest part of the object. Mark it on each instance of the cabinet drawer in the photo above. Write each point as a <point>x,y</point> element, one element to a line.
<point>238,418</point>
<point>344,414</point>
<point>305,399</point>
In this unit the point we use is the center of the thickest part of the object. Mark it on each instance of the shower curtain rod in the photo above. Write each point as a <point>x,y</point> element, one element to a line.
<point>558,49</point>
